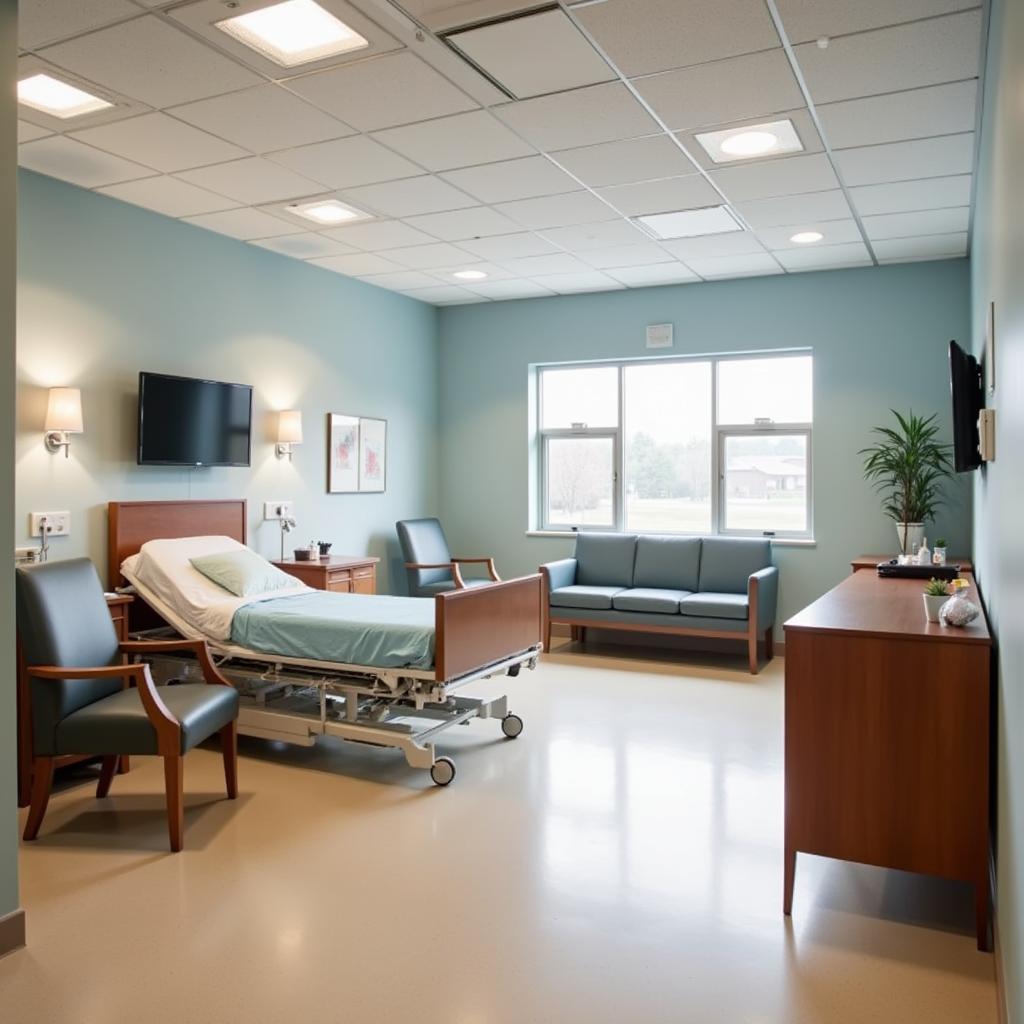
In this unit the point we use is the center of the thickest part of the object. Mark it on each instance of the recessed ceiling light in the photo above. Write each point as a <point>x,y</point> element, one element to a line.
<point>469,275</point>
<point>294,32</point>
<point>57,98</point>
<point>750,141</point>
<point>327,211</point>
<point>806,237</point>
<point>711,220</point>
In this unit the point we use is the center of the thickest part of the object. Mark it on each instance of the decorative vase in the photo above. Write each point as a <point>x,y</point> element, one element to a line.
<point>939,556</point>
<point>911,537</point>
<point>932,604</point>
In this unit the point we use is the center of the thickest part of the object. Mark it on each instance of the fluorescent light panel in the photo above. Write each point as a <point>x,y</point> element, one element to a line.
<point>751,141</point>
<point>294,32</point>
<point>806,237</point>
<point>710,220</point>
<point>469,275</point>
<point>327,212</point>
<point>58,99</point>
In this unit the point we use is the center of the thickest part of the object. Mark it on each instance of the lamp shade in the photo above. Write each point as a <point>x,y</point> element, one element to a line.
<point>64,410</point>
<point>289,427</point>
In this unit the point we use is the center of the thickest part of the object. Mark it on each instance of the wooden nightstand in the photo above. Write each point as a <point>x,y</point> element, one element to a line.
<point>342,574</point>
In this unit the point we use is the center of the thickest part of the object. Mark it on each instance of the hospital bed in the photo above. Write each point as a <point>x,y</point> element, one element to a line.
<point>404,694</point>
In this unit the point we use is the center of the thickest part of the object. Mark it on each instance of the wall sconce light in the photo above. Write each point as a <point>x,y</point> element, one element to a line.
<point>63,417</point>
<point>289,432</point>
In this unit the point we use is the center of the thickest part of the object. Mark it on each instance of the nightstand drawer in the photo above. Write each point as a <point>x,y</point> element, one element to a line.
<point>338,574</point>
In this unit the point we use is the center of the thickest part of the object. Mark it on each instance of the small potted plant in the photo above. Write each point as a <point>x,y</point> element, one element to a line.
<point>936,594</point>
<point>939,551</point>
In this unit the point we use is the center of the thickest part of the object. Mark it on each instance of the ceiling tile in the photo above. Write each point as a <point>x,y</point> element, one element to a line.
<point>567,284</point>
<point>783,176</point>
<point>263,119</point>
<point>151,61</point>
<point>901,161</point>
<point>29,132</point>
<point>620,163</point>
<point>926,247</point>
<point>374,236</point>
<point>901,196</point>
<point>383,92</point>
<point>644,36</point>
<point>733,243</point>
<point>402,280</point>
<point>426,257</point>
<point>753,265</point>
<point>581,237</point>
<point>921,222</point>
<point>503,247</point>
<point>556,211</point>
<point>443,296</point>
<point>640,255</point>
<point>305,246</point>
<point>918,114</point>
<point>807,20</point>
<point>736,89</point>
<point>409,197</point>
<point>510,289</point>
<point>343,163</point>
<point>582,117</point>
<point>893,59</point>
<point>687,193</point>
<point>492,270</point>
<point>659,273</point>
<point>244,224</point>
<point>834,232</point>
<point>825,257</point>
<point>159,141</point>
<point>357,263</point>
<point>553,263</point>
<point>253,180</point>
<point>168,196</point>
<point>513,179</point>
<point>458,141</point>
<point>456,225</point>
<point>534,54</point>
<point>770,213</point>
<point>78,163</point>
<point>46,21</point>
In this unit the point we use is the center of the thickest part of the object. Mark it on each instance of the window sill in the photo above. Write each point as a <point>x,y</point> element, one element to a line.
<point>779,542</point>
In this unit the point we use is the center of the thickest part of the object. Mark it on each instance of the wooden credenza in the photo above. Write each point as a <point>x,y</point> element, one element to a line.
<point>341,573</point>
<point>887,736</point>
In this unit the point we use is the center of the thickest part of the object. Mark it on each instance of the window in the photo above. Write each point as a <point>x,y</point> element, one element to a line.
<point>717,445</point>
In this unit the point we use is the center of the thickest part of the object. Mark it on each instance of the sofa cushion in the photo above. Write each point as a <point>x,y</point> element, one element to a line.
<point>727,562</point>
<point>715,606</point>
<point>667,563</point>
<point>578,596</point>
<point>649,599</point>
<point>605,559</point>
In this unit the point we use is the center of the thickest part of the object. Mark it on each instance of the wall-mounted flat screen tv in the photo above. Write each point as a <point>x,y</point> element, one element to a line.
<point>188,422</point>
<point>965,383</point>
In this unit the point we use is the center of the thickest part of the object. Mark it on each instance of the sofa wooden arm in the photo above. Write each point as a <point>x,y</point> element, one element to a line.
<point>198,647</point>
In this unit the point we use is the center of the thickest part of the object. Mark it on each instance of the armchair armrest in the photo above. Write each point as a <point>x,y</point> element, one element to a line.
<point>763,594</point>
<point>453,568</point>
<point>198,647</point>
<point>559,574</point>
<point>489,562</point>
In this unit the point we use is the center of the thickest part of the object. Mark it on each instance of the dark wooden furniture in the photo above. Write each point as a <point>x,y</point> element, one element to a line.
<point>887,736</point>
<point>118,605</point>
<point>343,574</point>
<point>871,562</point>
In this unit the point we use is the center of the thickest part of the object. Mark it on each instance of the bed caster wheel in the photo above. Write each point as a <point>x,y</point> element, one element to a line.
<point>511,726</point>
<point>443,771</point>
<point>513,670</point>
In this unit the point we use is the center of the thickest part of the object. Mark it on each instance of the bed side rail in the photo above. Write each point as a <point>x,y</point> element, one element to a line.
<point>481,625</point>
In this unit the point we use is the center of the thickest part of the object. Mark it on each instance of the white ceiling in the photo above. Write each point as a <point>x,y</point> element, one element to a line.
<point>531,172</point>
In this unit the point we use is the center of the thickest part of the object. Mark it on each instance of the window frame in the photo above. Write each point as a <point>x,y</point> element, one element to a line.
<point>719,431</point>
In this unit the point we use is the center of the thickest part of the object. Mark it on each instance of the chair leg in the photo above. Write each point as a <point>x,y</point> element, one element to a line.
<point>42,780</point>
<point>229,748</point>
<point>769,643</point>
<point>547,636</point>
<point>174,781</point>
<point>752,651</point>
<point>107,770</point>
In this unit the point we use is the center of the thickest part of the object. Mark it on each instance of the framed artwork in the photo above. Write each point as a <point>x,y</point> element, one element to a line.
<point>356,454</point>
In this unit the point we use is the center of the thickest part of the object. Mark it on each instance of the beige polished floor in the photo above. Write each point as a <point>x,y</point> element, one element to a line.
<point>620,862</point>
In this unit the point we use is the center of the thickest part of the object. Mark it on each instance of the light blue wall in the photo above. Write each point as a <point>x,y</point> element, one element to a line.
<point>997,256</point>
<point>879,338</point>
<point>107,289</point>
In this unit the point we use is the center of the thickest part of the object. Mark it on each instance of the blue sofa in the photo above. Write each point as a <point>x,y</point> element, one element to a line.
<point>692,586</point>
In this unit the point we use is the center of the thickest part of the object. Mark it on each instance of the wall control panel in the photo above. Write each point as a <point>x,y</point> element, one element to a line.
<point>57,524</point>
<point>279,510</point>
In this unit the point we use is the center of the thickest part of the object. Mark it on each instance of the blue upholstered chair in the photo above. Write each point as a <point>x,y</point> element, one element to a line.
<point>81,700</point>
<point>430,566</point>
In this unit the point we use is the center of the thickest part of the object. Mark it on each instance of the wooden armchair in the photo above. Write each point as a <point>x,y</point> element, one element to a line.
<point>87,700</point>
<point>430,566</point>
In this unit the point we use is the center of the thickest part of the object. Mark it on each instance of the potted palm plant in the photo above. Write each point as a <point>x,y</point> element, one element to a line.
<point>908,466</point>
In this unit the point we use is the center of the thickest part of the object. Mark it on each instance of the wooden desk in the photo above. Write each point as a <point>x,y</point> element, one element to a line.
<point>887,736</point>
<point>871,562</point>
<point>341,573</point>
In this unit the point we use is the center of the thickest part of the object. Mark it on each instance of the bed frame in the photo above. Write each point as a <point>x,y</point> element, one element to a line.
<point>479,632</point>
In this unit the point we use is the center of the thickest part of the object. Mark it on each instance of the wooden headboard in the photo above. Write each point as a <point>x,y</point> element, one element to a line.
<point>131,523</point>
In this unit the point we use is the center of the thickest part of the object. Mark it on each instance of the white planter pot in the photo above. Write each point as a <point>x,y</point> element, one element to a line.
<point>932,604</point>
<point>911,536</point>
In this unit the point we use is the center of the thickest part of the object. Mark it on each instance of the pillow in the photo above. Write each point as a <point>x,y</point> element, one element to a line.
<point>242,572</point>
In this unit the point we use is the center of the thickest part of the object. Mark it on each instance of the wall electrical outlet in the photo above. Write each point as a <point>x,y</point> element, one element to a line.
<point>58,524</point>
<point>278,509</point>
